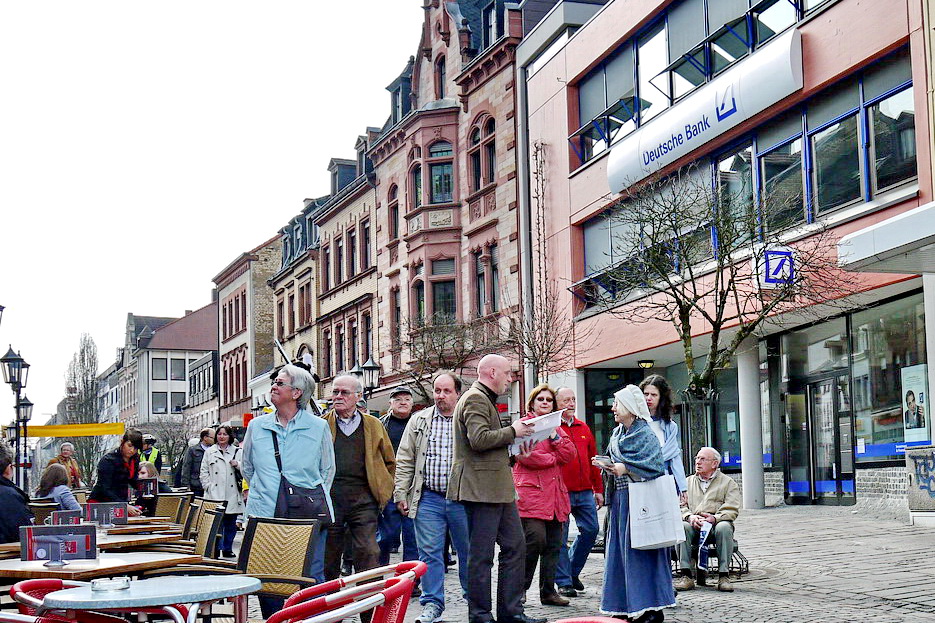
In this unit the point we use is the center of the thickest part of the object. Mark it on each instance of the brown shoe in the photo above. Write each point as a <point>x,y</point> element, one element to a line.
<point>553,599</point>
<point>684,583</point>
<point>724,585</point>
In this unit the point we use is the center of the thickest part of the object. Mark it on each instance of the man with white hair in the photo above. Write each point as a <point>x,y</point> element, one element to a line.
<point>713,498</point>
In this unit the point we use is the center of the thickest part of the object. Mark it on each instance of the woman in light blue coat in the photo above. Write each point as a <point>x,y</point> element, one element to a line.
<point>658,396</point>
<point>53,486</point>
<point>306,452</point>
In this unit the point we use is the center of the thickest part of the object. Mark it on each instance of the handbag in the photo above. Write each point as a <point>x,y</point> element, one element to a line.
<point>655,520</point>
<point>293,502</point>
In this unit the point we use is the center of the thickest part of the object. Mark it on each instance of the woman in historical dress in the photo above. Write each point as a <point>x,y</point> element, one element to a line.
<point>637,583</point>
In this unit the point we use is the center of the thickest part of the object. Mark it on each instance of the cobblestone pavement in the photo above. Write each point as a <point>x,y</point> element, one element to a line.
<point>827,564</point>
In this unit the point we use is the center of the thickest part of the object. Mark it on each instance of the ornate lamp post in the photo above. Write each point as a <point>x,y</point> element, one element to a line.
<point>15,373</point>
<point>371,374</point>
<point>23,415</point>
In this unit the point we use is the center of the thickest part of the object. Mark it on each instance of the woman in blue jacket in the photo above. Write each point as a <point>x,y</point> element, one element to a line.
<point>53,485</point>
<point>658,396</point>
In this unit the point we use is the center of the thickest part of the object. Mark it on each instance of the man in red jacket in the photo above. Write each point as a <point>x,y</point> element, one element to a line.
<point>586,493</point>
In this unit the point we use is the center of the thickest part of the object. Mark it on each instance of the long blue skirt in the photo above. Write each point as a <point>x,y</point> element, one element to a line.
<point>634,580</point>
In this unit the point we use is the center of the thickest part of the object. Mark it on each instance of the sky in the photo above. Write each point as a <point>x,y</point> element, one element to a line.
<point>144,146</point>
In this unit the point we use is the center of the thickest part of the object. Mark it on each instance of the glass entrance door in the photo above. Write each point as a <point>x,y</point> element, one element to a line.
<point>821,454</point>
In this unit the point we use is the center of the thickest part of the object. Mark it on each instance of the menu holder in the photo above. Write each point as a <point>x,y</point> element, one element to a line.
<point>58,544</point>
<point>147,487</point>
<point>65,518</point>
<point>106,513</point>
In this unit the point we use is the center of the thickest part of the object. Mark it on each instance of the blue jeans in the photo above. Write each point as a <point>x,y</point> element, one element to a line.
<point>434,517</point>
<point>571,559</point>
<point>390,524</point>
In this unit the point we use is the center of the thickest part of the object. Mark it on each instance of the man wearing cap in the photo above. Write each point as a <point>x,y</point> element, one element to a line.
<point>391,521</point>
<point>363,482</point>
<point>150,453</point>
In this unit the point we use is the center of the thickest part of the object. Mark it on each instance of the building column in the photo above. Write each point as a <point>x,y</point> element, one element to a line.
<point>751,426</point>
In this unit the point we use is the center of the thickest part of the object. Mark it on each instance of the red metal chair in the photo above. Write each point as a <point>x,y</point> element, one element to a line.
<point>28,596</point>
<point>414,568</point>
<point>51,617</point>
<point>388,599</point>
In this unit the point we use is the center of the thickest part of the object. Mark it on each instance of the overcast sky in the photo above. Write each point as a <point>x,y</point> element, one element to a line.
<point>144,146</point>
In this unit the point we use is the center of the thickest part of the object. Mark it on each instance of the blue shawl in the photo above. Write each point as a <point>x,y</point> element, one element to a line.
<point>639,449</point>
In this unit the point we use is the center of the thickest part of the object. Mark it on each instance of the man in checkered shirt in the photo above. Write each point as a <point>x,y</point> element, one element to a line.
<point>423,462</point>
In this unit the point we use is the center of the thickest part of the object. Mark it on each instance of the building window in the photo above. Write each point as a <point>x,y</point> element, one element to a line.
<point>490,151</point>
<point>305,304</point>
<point>494,278</point>
<point>415,187</point>
<point>339,352</point>
<point>397,318</point>
<point>178,402</point>
<point>443,267</point>
<point>338,261</point>
<point>291,313</point>
<point>441,173</point>
<point>892,129</point>
<point>351,253</point>
<point>160,403</point>
<point>418,298</point>
<point>482,155</point>
<point>326,268</point>
<point>651,54</point>
<point>365,245</point>
<point>280,319</point>
<point>480,286</point>
<point>393,212</point>
<point>368,336</point>
<point>326,354</point>
<point>440,78</point>
<point>159,368</point>
<point>177,370</point>
<point>353,339</point>
<point>474,156</point>
<point>489,17</point>
<point>444,301</point>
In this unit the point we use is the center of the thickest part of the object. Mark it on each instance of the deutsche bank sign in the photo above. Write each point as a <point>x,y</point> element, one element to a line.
<point>754,84</point>
<point>774,266</point>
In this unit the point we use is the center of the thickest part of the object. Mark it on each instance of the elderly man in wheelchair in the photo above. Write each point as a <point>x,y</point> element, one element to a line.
<point>713,504</point>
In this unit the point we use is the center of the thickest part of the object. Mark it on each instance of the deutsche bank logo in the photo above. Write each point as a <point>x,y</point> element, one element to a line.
<point>778,266</point>
<point>725,104</point>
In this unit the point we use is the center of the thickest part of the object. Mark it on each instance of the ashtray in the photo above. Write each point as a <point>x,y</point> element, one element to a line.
<point>112,584</point>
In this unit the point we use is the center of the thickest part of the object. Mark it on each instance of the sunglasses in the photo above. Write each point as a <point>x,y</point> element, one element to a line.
<point>278,383</point>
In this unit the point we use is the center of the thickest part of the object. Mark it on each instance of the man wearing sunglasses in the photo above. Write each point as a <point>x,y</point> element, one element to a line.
<point>365,465</point>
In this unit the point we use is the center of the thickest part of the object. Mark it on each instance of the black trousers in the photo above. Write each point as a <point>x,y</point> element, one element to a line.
<point>499,524</point>
<point>543,539</point>
<point>355,518</point>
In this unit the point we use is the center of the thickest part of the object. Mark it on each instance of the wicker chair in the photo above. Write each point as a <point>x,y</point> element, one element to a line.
<point>204,543</point>
<point>81,495</point>
<point>169,504</point>
<point>205,505</point>
<point>42,511</point>
<point>194,508</point>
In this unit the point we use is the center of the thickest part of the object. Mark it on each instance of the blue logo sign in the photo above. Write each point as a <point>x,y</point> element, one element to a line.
<point>778,267</point>
<point>725,104</point>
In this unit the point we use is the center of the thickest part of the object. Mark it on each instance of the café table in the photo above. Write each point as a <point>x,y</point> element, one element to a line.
<point>105,565</point>
<point>164,592</point>
<point>144,528</point>
<point>143,519</point>
<point>122,541</point>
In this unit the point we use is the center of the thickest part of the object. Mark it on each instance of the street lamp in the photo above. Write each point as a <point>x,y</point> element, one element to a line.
<point>371,374</point>
<point>23,415</point>
<point>15,373</point>
<point>1,313</point>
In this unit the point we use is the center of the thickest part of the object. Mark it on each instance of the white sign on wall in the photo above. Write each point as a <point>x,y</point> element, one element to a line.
<point>750,87</point>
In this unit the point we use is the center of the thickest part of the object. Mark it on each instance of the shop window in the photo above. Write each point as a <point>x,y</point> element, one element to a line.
<point>159,368</point>
<point>888,363</point>
<point>892,129</point>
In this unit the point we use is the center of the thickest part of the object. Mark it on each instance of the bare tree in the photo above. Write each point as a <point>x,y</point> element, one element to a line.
<point>444,342</point>
<point>692,254</point>
<point>544,333</point>
<point>172,436</point>
<point>81,405</point>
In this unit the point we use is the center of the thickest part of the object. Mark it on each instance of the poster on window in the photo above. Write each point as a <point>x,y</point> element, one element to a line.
<point>915,398</point>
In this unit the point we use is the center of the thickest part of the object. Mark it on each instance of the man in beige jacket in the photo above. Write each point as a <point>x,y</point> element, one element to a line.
<point>713,498</point>
<point>481,479</point>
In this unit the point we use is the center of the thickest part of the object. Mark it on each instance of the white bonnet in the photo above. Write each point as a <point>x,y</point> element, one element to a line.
<point>631,397</point>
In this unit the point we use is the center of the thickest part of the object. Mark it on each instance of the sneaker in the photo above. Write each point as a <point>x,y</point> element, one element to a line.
<point>567,591</point>
<point>431,612</point>
<point>576,584</point>
<point>724,584</point>
<point>684,583</point>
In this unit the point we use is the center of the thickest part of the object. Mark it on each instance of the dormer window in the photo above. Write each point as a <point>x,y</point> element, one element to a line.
<point>489,34</point>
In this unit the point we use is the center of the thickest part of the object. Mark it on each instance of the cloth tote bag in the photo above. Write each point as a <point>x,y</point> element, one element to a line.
<point>655,520</point>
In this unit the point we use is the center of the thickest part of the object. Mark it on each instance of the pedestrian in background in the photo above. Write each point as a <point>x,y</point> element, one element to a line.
<point>118,470</point>
<point>53,485</point>
<point>191,464</point>
<point>220,476</point>
<point>151,453</point>
<point>585,493</point>
<point>391,523</point>
<point>542,497</point>
<point>66,458</point>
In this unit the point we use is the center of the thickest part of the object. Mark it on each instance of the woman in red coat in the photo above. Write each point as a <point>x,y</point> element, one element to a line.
<point>543,499</point>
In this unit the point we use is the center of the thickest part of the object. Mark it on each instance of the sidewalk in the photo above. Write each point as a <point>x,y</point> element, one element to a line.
<point>827,564</point>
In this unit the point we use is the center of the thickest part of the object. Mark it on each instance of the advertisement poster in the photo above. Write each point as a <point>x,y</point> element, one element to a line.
<point>915,402</point>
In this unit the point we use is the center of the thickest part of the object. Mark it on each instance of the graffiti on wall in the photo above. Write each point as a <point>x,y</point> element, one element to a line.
<point>925,472</point>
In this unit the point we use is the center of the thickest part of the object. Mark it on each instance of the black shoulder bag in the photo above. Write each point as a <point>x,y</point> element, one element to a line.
<point>294,502</point>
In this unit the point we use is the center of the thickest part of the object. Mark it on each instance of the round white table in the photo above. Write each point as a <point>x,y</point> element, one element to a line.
<point>163,592</point>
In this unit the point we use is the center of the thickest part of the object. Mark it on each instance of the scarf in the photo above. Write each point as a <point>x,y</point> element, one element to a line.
<point>639,449</point>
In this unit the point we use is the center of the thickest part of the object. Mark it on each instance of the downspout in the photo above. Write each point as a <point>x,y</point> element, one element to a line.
<point>525,217</point>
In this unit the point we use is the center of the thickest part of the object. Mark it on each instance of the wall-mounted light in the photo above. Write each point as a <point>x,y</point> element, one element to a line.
<point>645,364</point>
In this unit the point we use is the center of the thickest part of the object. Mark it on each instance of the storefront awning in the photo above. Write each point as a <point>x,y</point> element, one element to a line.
<point>903,244</point>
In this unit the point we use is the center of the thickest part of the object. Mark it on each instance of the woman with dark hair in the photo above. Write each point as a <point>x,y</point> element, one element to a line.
<point>13,501</point>
<point>543,502</point>
<point>220,474</point>
<point>53,485</point>
<point>117,472</point>
<point>658,396</point>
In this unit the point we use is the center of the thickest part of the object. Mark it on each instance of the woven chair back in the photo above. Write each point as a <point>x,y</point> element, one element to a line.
<point>81,495</point>
<point>280,547</point>
<point>167,504</point>
<point>208,533</point>
<point>194,507</point>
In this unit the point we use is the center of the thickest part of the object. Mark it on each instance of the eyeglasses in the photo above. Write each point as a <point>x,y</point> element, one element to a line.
<point>342,392</point>
<point>278,383</point>
<point>703,458</point>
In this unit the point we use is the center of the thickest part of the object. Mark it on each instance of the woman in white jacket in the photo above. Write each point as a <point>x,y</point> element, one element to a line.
<point>220,472</point>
